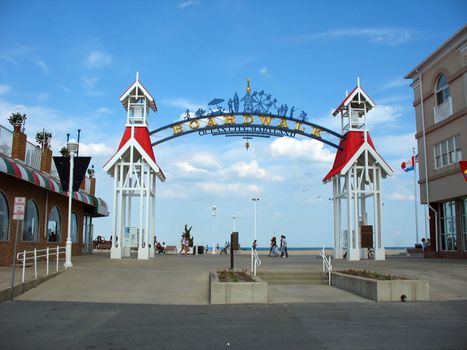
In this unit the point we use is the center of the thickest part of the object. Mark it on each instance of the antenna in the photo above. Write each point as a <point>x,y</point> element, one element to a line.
<point>77,151</point>
<point>137,76</point>
<point>358,81</point>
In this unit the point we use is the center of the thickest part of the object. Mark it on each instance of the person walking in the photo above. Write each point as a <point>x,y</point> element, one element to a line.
<point>284,247</point>
<point>272,251</point>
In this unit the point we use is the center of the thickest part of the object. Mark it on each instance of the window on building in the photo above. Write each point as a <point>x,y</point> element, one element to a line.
<point>4,218</point>
<point>53,226</point>
<point>448,151</point>
<point>464,221</point>
<point>74,228</point>
<point>448,226</point>
<point>442,90</point>
<point>31,222</point>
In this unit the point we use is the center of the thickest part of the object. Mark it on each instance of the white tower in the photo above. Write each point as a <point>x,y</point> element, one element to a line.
<point>134,170</point>
<point>356,178</point>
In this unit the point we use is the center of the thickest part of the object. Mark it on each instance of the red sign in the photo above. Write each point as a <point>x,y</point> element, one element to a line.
<point>18,208</point>
<point>463,165</point>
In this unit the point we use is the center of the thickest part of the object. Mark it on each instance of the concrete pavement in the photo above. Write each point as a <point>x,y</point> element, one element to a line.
<point>181,280</point>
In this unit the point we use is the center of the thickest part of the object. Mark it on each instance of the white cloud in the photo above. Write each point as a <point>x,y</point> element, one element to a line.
<point>187,168</point>
<point>301,149</point>
<point>206,160</point>
<point>4,89</point>
<point>265,72</point>
<point>397,196</point>
<point>104,110</point>
<point>383,114</point>
<point>90,86</point>
<point>98,59</point>
<point>395,83</point>
<point>229,189</point>
<point>253,170</point>
<point>384,36</point>
<point>181,102</point>
<point>188,3</point>
<point>165,192</point>
<point>95,149</point>
<point>43,97</point>
<point>42,65</point>
<point>395,145</point>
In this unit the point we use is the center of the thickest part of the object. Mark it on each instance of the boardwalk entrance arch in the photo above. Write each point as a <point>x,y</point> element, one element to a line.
<point>356,173</point>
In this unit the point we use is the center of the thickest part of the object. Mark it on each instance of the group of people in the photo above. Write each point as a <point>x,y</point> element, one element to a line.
<point>426,244</point>
<point>274,251</point>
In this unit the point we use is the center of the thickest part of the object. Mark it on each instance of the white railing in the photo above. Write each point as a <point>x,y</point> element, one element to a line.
<point>34,255</point>
<point>443,110</point>
<point>327,266</point>
<point>255,261</point>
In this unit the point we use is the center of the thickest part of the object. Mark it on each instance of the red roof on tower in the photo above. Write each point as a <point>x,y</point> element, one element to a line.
<point>142,137</point>
<point>348,146</point>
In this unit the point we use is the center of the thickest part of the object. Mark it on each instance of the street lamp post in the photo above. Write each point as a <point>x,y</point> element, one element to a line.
<point>72,146</point>
<point>234,217</point>
<point>254,201</point>
<point>213,213</point>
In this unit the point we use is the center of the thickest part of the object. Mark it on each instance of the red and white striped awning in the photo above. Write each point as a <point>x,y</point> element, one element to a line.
<point>22,171</point>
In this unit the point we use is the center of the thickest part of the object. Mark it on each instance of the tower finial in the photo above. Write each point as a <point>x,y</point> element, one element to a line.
<point>137,76</point>
<point>248,89</point>
<point>358,81</point>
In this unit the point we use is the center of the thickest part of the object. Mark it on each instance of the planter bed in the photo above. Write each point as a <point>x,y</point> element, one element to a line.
<point>255,292</point>
<point>382,290</point>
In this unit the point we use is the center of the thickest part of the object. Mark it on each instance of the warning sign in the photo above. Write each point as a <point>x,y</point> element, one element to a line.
<point>18,208</point>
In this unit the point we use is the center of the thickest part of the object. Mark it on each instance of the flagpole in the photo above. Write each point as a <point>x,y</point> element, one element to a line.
<point>414,163</point>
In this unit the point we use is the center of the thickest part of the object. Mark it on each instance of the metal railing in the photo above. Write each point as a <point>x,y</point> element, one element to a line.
<point>34,255</point>
<point>443,110</point>
<point>327,265</point>
<point>255,261</point>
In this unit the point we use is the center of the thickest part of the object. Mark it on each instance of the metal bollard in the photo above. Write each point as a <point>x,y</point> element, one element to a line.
<point>47,261</point>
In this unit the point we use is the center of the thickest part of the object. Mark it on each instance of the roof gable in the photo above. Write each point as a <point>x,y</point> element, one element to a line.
<point>351,148</point>
<point>350,97</point>
<point>132,91</point>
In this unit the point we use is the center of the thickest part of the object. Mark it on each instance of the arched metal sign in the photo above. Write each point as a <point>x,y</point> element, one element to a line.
<point>261,117</point>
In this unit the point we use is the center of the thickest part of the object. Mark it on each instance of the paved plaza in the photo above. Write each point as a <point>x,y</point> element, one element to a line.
<point>163,304</point>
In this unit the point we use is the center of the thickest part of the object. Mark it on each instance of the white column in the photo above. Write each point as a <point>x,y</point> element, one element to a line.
<point>352,211</point>
<point>68,262</point>
<point>338,253</point>
<point>380,253</point>
<point>143,253</point>
<point>152,211</point>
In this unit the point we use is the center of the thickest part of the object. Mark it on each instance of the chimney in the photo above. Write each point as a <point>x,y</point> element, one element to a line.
<point>18,149</point>
<point>46,159</point>
<point>92,191</point>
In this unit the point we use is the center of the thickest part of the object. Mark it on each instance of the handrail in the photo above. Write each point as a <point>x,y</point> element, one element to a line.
<point>255,261</point>
<point>39,253</point>
<point>326,265</point>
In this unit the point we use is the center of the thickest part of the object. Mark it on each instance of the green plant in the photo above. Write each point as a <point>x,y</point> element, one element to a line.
<point>17,119</point>
<point>64,151</point>
<point>187,234</point>
<point>43,138</point>
<point>372,275</point>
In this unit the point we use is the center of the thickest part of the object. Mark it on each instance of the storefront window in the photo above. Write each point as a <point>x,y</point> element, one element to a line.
<point>74,228</point>
<point>448,226</point>
<point>3,218</point>
<point>464,221</point>
<point>31,223</point>
<point>53,226</point>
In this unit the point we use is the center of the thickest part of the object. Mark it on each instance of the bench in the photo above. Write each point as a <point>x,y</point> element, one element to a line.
<point>171,249</point>
<point>415,251</point>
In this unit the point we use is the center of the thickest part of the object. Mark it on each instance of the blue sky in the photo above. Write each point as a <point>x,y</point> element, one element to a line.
<point>68,63</point>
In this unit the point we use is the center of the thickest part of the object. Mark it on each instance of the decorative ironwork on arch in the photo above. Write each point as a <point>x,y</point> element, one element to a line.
<point>261,117</point>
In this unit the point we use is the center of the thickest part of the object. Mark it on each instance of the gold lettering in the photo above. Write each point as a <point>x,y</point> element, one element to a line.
<point>265,120</point>
<point>283,124</point>
<point>177,129</point>
<point>317,132</point>
<point>194,124</point>
<point>212,122</point>
<point>229,119</point>
<point>298,127</point>
<point>247,119</point>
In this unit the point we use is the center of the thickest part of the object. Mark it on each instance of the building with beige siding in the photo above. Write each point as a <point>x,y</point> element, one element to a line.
<point>440,102</point>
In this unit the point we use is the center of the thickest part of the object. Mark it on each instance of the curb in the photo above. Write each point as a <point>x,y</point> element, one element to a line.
<point>5,294</point>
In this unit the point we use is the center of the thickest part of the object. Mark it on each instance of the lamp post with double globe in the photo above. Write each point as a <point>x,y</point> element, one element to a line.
<point>72,147</point>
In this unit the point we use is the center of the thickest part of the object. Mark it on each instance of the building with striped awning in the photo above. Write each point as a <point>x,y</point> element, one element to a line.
<point>27,171</point>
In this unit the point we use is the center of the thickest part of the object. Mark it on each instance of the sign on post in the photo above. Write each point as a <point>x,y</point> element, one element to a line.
<point>18,208</point>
